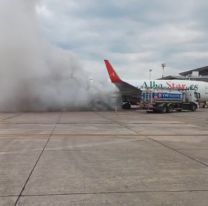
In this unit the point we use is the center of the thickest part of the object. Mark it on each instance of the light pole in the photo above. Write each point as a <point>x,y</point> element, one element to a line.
<point>150,74</point>
<point>163,69</point>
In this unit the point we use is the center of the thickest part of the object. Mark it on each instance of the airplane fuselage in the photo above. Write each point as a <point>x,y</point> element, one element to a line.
<point>198,86</point>
<point>131,87</point>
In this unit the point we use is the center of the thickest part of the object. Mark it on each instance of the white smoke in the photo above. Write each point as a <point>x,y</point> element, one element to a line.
<point>35,76</point>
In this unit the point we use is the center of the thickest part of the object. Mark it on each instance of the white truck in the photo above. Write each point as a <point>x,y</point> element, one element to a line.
<point>170,100</point>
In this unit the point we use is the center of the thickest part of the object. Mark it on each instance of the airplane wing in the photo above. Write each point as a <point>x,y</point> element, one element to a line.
<point>124,87</point>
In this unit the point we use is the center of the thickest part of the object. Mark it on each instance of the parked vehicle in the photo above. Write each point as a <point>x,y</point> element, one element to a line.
<point>170,100</point>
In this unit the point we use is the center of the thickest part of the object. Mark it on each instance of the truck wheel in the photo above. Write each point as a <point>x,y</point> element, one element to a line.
<point>154,110</point>
<point>193,107</point>
<point>205,105</point>
<point>169,108</point>
<point>164,109</point>
<point>126,105</point>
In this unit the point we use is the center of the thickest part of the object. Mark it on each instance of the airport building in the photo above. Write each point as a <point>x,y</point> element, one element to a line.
<point>199,74</point>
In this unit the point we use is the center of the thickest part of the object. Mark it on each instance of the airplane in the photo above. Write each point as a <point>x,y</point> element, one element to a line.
<point>131,90</point>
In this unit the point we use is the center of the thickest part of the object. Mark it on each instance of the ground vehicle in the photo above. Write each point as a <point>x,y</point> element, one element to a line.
<point>170,100</point>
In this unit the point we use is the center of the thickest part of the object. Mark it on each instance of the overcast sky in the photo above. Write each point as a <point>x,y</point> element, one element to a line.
<point>135,35</point>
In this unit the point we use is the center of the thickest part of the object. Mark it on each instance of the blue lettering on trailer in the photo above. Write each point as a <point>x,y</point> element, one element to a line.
<point>167,96</point>
<point>162,96</point>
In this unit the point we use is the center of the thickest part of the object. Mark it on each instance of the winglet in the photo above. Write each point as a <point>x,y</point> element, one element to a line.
<point>113,76</point>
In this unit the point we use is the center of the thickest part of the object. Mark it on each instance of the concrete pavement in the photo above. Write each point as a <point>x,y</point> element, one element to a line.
<point>104,158</point>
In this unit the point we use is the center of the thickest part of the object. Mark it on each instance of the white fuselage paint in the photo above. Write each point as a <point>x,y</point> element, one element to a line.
<point>198,86</point>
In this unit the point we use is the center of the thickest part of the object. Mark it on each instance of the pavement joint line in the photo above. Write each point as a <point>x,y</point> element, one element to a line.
<point>115,135</point>
<point>72,148</point>
<point>6,136</point>
<point>113,192</point>
<point>101,193</point>
<point>145,123</point>
<point>198,149</point>
<point>13,116</point>
<point>130,129</point>
<point>8,196</point>
<point>19,153</point>
<point>181,153</point>
<point>78,147</point>
<point>39,157</point>
<point>31,172</point>
<point>23,123</point>
<point>117,122</point>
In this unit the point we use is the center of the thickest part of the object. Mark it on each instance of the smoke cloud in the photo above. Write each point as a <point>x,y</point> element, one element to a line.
<point>36,76</point>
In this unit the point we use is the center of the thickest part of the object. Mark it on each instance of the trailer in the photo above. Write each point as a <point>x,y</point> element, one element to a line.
<point>165,101</point>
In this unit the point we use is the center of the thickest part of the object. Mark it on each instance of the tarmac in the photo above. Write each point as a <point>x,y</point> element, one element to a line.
<point>123,158</point>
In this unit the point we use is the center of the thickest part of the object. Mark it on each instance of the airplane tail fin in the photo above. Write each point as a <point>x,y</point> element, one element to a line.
<point>113,76</point>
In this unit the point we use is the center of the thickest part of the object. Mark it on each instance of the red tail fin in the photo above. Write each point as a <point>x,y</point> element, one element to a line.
<point>113,76</point>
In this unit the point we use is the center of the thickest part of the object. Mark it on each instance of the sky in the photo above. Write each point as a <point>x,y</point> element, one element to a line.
<point>135,35</point>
